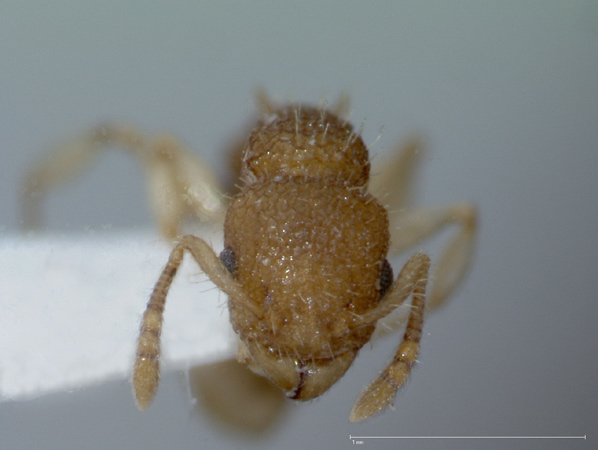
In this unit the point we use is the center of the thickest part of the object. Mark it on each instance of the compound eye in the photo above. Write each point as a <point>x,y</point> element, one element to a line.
<point>227,258</point>
<point>386,278</point>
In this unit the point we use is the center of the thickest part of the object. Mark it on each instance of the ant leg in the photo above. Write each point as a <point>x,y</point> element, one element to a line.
<point>266,106</point>
<point>380,393</point>
<point>393,185</point>
<point>411,227</point>
<point>263,103</point>
<point>179,182</point>
<point>57,167</point>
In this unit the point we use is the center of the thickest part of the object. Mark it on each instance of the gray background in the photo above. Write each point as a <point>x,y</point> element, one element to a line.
<point>507,96</point>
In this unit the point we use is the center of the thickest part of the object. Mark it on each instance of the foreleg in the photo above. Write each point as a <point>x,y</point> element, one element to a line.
<point>179,182</point>
<point>411,227</point>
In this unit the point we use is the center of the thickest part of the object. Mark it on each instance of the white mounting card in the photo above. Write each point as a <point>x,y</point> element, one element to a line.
<point>71,306</point>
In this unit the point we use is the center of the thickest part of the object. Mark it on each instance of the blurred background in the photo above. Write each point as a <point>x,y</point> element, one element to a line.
<point>506,95</point>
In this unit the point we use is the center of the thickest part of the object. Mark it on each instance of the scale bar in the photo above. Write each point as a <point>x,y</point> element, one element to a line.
<point>584,437</point>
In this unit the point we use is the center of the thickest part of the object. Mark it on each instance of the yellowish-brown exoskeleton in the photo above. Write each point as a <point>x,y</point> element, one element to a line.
<point>304,263</point>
